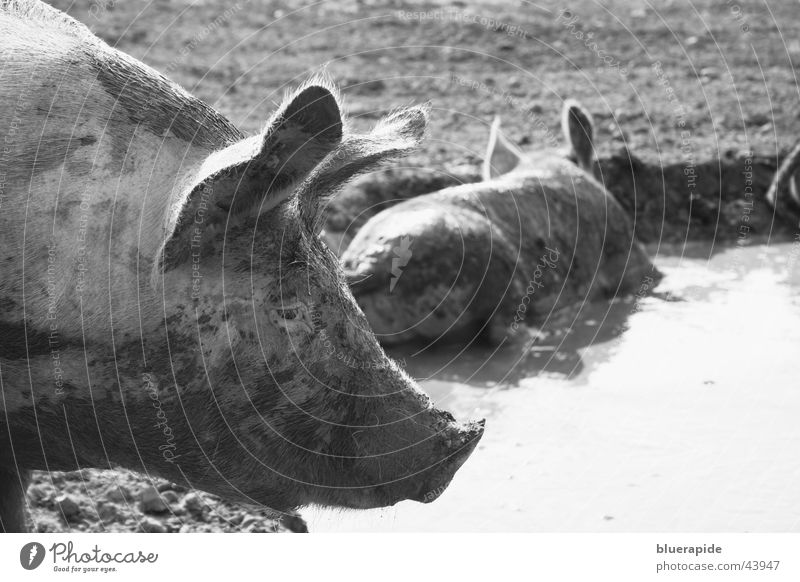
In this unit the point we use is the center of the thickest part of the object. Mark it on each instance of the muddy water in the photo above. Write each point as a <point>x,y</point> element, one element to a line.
<point>675,412</point>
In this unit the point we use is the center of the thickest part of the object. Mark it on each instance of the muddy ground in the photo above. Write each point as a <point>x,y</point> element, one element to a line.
<point>676,87</point>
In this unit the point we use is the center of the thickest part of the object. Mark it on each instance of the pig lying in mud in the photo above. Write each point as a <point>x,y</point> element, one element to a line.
<point>537,234</point>
<point>166,303</point>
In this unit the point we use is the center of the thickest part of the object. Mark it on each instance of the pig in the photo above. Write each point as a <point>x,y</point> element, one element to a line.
<point>166,303</point>
<point>477,261</point>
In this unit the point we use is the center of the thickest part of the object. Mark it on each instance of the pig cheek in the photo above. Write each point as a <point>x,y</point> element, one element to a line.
<point>272,341</point>
<point>299,431</point>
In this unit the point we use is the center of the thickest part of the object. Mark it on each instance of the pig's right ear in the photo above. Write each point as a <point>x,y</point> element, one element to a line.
<point>394,136</point>
<point>502,156</point>
<point>576,123</point>
<point>784,192</point>
<point>257,173</point>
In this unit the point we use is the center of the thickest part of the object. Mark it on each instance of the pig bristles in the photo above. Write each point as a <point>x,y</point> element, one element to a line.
<point>39,11</point>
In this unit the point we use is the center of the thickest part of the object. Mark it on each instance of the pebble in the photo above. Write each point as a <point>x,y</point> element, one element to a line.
<point>108,512</point>
<point>37,493</point>
<point>151,502</point>
<point>194,504</point>
<point>150,525</point>
<point>68,506</point>
<point>170,496</point>
<point>118,494</point>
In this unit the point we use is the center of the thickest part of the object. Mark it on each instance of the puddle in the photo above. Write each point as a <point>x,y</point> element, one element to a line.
<point>675,413</point>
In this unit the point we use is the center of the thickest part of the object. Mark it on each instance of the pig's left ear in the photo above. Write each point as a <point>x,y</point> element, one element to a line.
<point>502,156</point>
<point>258,173</point>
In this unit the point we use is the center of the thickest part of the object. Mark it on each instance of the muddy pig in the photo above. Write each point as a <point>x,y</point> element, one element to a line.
<point>166,303</point>
<point>480,260</point>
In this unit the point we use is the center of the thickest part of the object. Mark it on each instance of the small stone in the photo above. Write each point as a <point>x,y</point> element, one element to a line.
<point>118,494</point>
<point>194,505</point>
<point>150,525</point>
<point>68,506</point>
<point>151,502</point>
<point>37,494</point>
<point>108,512</point>
<point>170,496</point>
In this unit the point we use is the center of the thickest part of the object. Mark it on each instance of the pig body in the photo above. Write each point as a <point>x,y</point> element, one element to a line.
<point>537,234</point>
<point>166,303</point>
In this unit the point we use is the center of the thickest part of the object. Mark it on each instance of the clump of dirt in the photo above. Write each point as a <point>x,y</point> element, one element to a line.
<point>120,501</point>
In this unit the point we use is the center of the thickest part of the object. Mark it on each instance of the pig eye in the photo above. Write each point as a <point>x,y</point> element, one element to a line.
<point>292,317</point>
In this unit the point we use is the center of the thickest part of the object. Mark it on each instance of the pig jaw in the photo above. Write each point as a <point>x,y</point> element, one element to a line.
<point>428,484</point>
<point>409,451</point>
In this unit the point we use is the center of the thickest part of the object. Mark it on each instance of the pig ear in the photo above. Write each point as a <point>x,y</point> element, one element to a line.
<point>502,156</point>
<point>393,136</point>
<point>783,193</point>
<point>258,173</point>
<point>576,123</point>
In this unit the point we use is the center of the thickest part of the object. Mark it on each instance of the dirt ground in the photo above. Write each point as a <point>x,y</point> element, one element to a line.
<point>735,89</point>
<point>677,84</point>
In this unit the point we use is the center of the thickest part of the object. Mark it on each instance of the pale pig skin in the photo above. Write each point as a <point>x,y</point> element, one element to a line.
<point>479,261</point>
<point>166,303</point>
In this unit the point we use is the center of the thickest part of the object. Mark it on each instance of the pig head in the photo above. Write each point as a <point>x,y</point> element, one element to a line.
<point>232,357</point>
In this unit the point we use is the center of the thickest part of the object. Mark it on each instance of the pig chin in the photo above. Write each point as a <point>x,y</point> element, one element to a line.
<point>424,486</point>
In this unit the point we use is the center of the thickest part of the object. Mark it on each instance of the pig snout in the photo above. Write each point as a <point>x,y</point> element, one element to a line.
<point>459,443</point>
<point>428,474</point>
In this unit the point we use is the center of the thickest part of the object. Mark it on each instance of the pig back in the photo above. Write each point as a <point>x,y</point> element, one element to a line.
<point>556,209</point>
